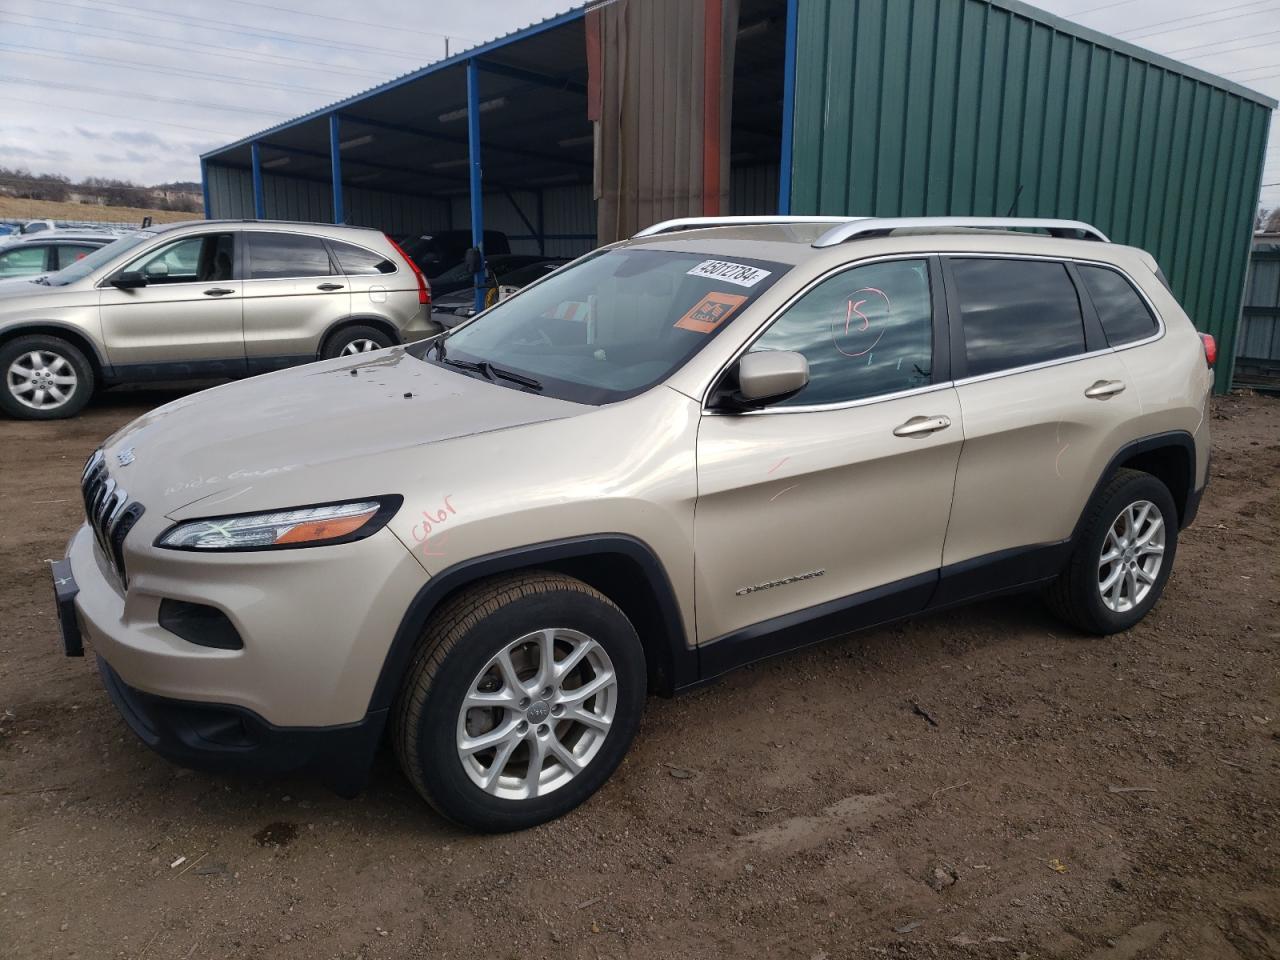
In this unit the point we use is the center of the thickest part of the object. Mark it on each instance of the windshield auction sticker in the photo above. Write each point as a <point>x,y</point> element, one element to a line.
<point>738,274</point>
<point>711,311</point>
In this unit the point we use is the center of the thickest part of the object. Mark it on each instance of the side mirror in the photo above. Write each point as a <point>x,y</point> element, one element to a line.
<point>129,280</point>
<point>474,260</point>
<point>767,377</point>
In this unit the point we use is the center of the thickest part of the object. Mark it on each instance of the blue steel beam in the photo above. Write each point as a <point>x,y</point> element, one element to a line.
<point>204,186</point>
<point>259,200</point>
<point>335,168</point>
<point>477,175</point>
<point>788,109</point>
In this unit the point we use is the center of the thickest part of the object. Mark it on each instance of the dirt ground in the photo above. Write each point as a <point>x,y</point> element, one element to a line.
<point>1066,796</point>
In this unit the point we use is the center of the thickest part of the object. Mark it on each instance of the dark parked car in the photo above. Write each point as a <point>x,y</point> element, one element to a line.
<point>436,253</point>
<point>506,274</point>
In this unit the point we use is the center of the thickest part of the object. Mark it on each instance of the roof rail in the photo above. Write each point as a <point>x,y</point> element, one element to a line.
<point>693,223</point>
<point>879,226</point>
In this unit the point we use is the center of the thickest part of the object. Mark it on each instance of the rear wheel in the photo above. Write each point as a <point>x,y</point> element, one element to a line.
<point>350,341</point>
<point>1123,558</point>
<point>45,378</point>
<point>523,699</point>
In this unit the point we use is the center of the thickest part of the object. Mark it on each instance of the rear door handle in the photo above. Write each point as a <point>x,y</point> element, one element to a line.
<point>920,426</point>
<point>329,286</point>
<point>217,292</point>
<point>1104,389</point>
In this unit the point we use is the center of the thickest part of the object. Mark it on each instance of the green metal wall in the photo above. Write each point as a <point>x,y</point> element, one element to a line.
<point>937,107</point>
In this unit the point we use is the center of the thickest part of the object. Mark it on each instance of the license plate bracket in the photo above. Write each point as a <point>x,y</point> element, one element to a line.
<point>64,596</point>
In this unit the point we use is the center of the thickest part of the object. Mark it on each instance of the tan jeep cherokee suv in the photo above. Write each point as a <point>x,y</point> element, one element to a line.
<point>708,444</point>
<point>207,299</point>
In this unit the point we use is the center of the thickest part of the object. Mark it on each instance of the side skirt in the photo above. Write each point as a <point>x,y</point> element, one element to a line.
<point>1008,571</point>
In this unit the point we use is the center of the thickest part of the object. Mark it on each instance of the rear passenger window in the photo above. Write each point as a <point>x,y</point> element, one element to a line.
<point>287,255</point>
<point>865,332</point>
<point>69,253</point>
<point>1124,315</point>
<point>357,260</point>
<point>1016,313</point>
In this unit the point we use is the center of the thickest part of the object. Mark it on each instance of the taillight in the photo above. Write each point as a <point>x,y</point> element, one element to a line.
<point>424,288</point>
<point>1210,348</point>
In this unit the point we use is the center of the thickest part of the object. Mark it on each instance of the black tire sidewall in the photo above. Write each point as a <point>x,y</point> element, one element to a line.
<point>49,344</point>
<point>1142,487</point>
<point>451,789</point>
<point>337,341</point>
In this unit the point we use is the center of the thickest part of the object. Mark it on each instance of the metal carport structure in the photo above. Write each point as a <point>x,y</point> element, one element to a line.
<point>878,107</point>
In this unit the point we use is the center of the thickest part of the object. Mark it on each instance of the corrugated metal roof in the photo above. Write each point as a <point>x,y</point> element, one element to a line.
<point>457,60</point>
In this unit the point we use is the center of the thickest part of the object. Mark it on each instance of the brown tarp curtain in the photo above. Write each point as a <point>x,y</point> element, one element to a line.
<point>656,88</point>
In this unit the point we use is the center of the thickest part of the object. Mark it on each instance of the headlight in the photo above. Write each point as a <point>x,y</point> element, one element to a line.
<point>299,527</point>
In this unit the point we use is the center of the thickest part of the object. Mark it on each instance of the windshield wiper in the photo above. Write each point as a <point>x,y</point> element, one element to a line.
<point>512,376</point>
<point>485,368</point>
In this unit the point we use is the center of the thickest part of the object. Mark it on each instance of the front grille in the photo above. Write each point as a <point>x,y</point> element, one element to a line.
<point>107,508</point>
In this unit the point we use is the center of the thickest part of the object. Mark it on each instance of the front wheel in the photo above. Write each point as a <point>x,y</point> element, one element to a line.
<point>522,700</point>
<point>1123,557</point>
<point>45,378</point>
<point>352,341</point>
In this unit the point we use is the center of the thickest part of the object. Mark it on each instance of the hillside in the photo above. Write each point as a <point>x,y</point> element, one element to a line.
<point>14,208</point>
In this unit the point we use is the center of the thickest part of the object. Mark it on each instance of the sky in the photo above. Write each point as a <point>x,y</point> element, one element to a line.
<point>137,89</point>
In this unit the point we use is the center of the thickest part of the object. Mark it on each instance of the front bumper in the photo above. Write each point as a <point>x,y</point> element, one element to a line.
<point>227,739</point>
<point>316,624</point>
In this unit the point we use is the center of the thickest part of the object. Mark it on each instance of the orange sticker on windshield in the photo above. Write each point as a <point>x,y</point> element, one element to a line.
<point>711,311</point>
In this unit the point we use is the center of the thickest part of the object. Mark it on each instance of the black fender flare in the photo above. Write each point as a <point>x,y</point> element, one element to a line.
<point>683,660</point>
<point>1171,438</point>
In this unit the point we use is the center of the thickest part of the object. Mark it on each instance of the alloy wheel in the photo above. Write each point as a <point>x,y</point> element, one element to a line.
<point>359,345</point>
<point>1132,555</point>
<point>42,379</point>
<point>537,714</point>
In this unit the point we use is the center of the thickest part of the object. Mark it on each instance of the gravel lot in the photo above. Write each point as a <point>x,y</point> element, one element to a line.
<point>1064,796</point>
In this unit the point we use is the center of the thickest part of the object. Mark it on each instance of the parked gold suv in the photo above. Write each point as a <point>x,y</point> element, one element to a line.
<point>708,444</point>
<point>203,300</point>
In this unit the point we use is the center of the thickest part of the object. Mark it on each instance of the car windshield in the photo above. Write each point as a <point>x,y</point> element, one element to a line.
<point>611,325</point>
<point>99,258</point>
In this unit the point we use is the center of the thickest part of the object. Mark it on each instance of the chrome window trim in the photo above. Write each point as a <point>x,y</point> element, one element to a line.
<point>921,255</point>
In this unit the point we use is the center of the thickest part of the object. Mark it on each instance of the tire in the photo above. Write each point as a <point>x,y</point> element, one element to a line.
<point>432,732</point>
<point>45,378</point>
<point>1077,595</point>
<point>354,340</point>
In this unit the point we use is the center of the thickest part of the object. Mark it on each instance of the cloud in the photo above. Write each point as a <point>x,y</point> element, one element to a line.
<point>87,133</point>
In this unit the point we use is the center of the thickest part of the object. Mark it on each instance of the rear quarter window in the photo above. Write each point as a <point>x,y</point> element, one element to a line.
<point>355,261</point>
<point>1124,314</point>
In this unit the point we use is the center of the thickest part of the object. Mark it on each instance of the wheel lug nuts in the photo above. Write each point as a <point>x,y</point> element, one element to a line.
<point>546,692</point>
<point>524,702</point>
<point>542,730</point>
<point>558,709</point>
<point>523,727</point>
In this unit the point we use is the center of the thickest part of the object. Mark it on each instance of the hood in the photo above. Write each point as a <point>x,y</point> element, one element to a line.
<point>323,431</point>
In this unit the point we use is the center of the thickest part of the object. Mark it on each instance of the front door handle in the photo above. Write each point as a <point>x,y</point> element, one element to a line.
<point>329,286</point>
<point>920,426</point>
<point>217,292</point>
<point>1104,389</point>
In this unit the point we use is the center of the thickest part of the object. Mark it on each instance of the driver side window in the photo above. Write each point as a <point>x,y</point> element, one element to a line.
<point>202,259</point>
<point>865,332</point>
